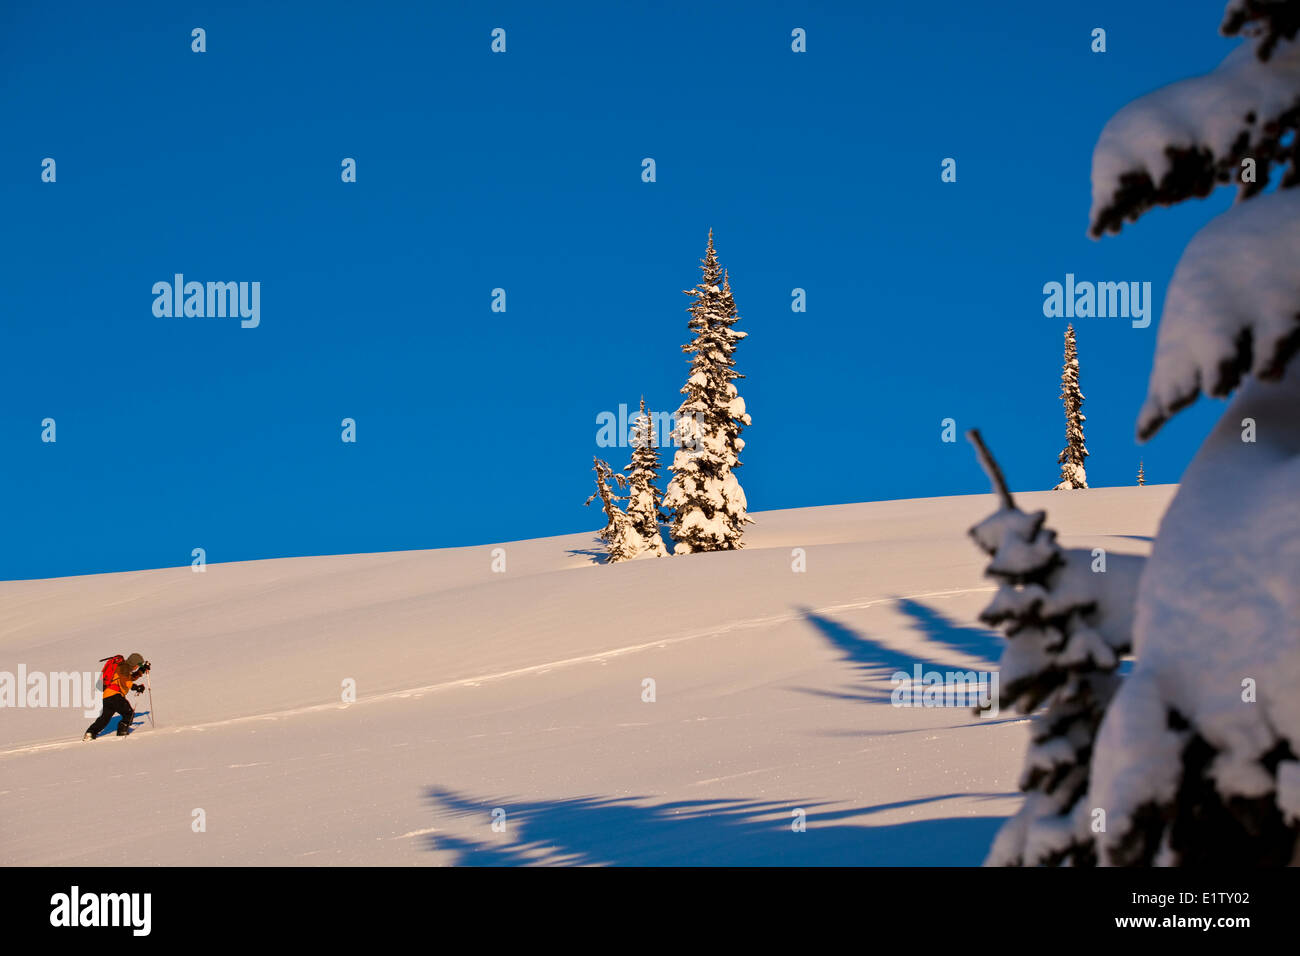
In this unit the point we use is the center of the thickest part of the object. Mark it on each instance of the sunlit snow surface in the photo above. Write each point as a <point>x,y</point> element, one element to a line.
<point>523,691</point>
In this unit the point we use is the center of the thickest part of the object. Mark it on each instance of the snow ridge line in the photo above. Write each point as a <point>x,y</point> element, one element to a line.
<point>516,672</point>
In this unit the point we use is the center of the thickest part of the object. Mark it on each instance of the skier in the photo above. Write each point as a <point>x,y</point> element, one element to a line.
<point>116,686</point>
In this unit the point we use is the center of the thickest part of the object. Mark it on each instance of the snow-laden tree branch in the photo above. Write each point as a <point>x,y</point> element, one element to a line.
<point>1233,307</point>
<point>1187,138</point>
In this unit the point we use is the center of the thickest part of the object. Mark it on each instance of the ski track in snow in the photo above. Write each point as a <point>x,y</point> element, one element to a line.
<point>599,656</point>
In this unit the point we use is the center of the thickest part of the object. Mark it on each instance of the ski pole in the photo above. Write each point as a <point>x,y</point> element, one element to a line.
<point>149,687</point>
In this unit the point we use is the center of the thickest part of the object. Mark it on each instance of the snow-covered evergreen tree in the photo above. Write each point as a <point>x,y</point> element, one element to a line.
<point>1072,456</point>
<point>1142,477</point>
<point>622,542</point>
<point>1066,624</point>
<point>706,505</point>
<point>1196,760</point>
<point>644,496</point>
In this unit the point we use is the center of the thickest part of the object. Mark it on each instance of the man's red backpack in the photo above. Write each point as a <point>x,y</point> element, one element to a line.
<point>110,668</point>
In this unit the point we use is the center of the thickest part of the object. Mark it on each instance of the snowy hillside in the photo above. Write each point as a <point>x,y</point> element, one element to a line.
<point>522,691</point>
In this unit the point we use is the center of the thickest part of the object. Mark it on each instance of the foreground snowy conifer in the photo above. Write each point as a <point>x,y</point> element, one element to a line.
<point>1067,616</point>
<point>1195,761</point>
<point>706,504</point>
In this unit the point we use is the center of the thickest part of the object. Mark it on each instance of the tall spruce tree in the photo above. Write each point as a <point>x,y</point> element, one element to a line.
<point>622,542</point>
<point>1072,456</point>
<point>644,497</point>
<point>706,505</point>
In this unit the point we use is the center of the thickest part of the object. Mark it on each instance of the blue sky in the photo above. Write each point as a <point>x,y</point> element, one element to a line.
<point>522,171</point>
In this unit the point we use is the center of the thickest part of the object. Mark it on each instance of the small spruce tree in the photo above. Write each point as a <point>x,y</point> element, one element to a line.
<point>621,539</point>
<point>1142,478</point>
<point>644,497</point>
<point>1072,456</point>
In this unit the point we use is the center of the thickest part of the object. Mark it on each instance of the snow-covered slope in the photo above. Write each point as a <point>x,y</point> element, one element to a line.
<point>523,691</point>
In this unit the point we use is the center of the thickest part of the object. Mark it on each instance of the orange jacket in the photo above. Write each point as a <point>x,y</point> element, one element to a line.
<point>122,682</point>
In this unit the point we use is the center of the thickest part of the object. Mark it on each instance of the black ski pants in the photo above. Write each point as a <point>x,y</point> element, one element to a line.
<point>113,705</point>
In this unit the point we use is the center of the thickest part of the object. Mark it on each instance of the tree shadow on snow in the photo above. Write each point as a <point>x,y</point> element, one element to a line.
<point>876,662</point>
<point>900,731</point>
<point>977,642</point>
<point>614,831</point>
<point>597,552</point>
